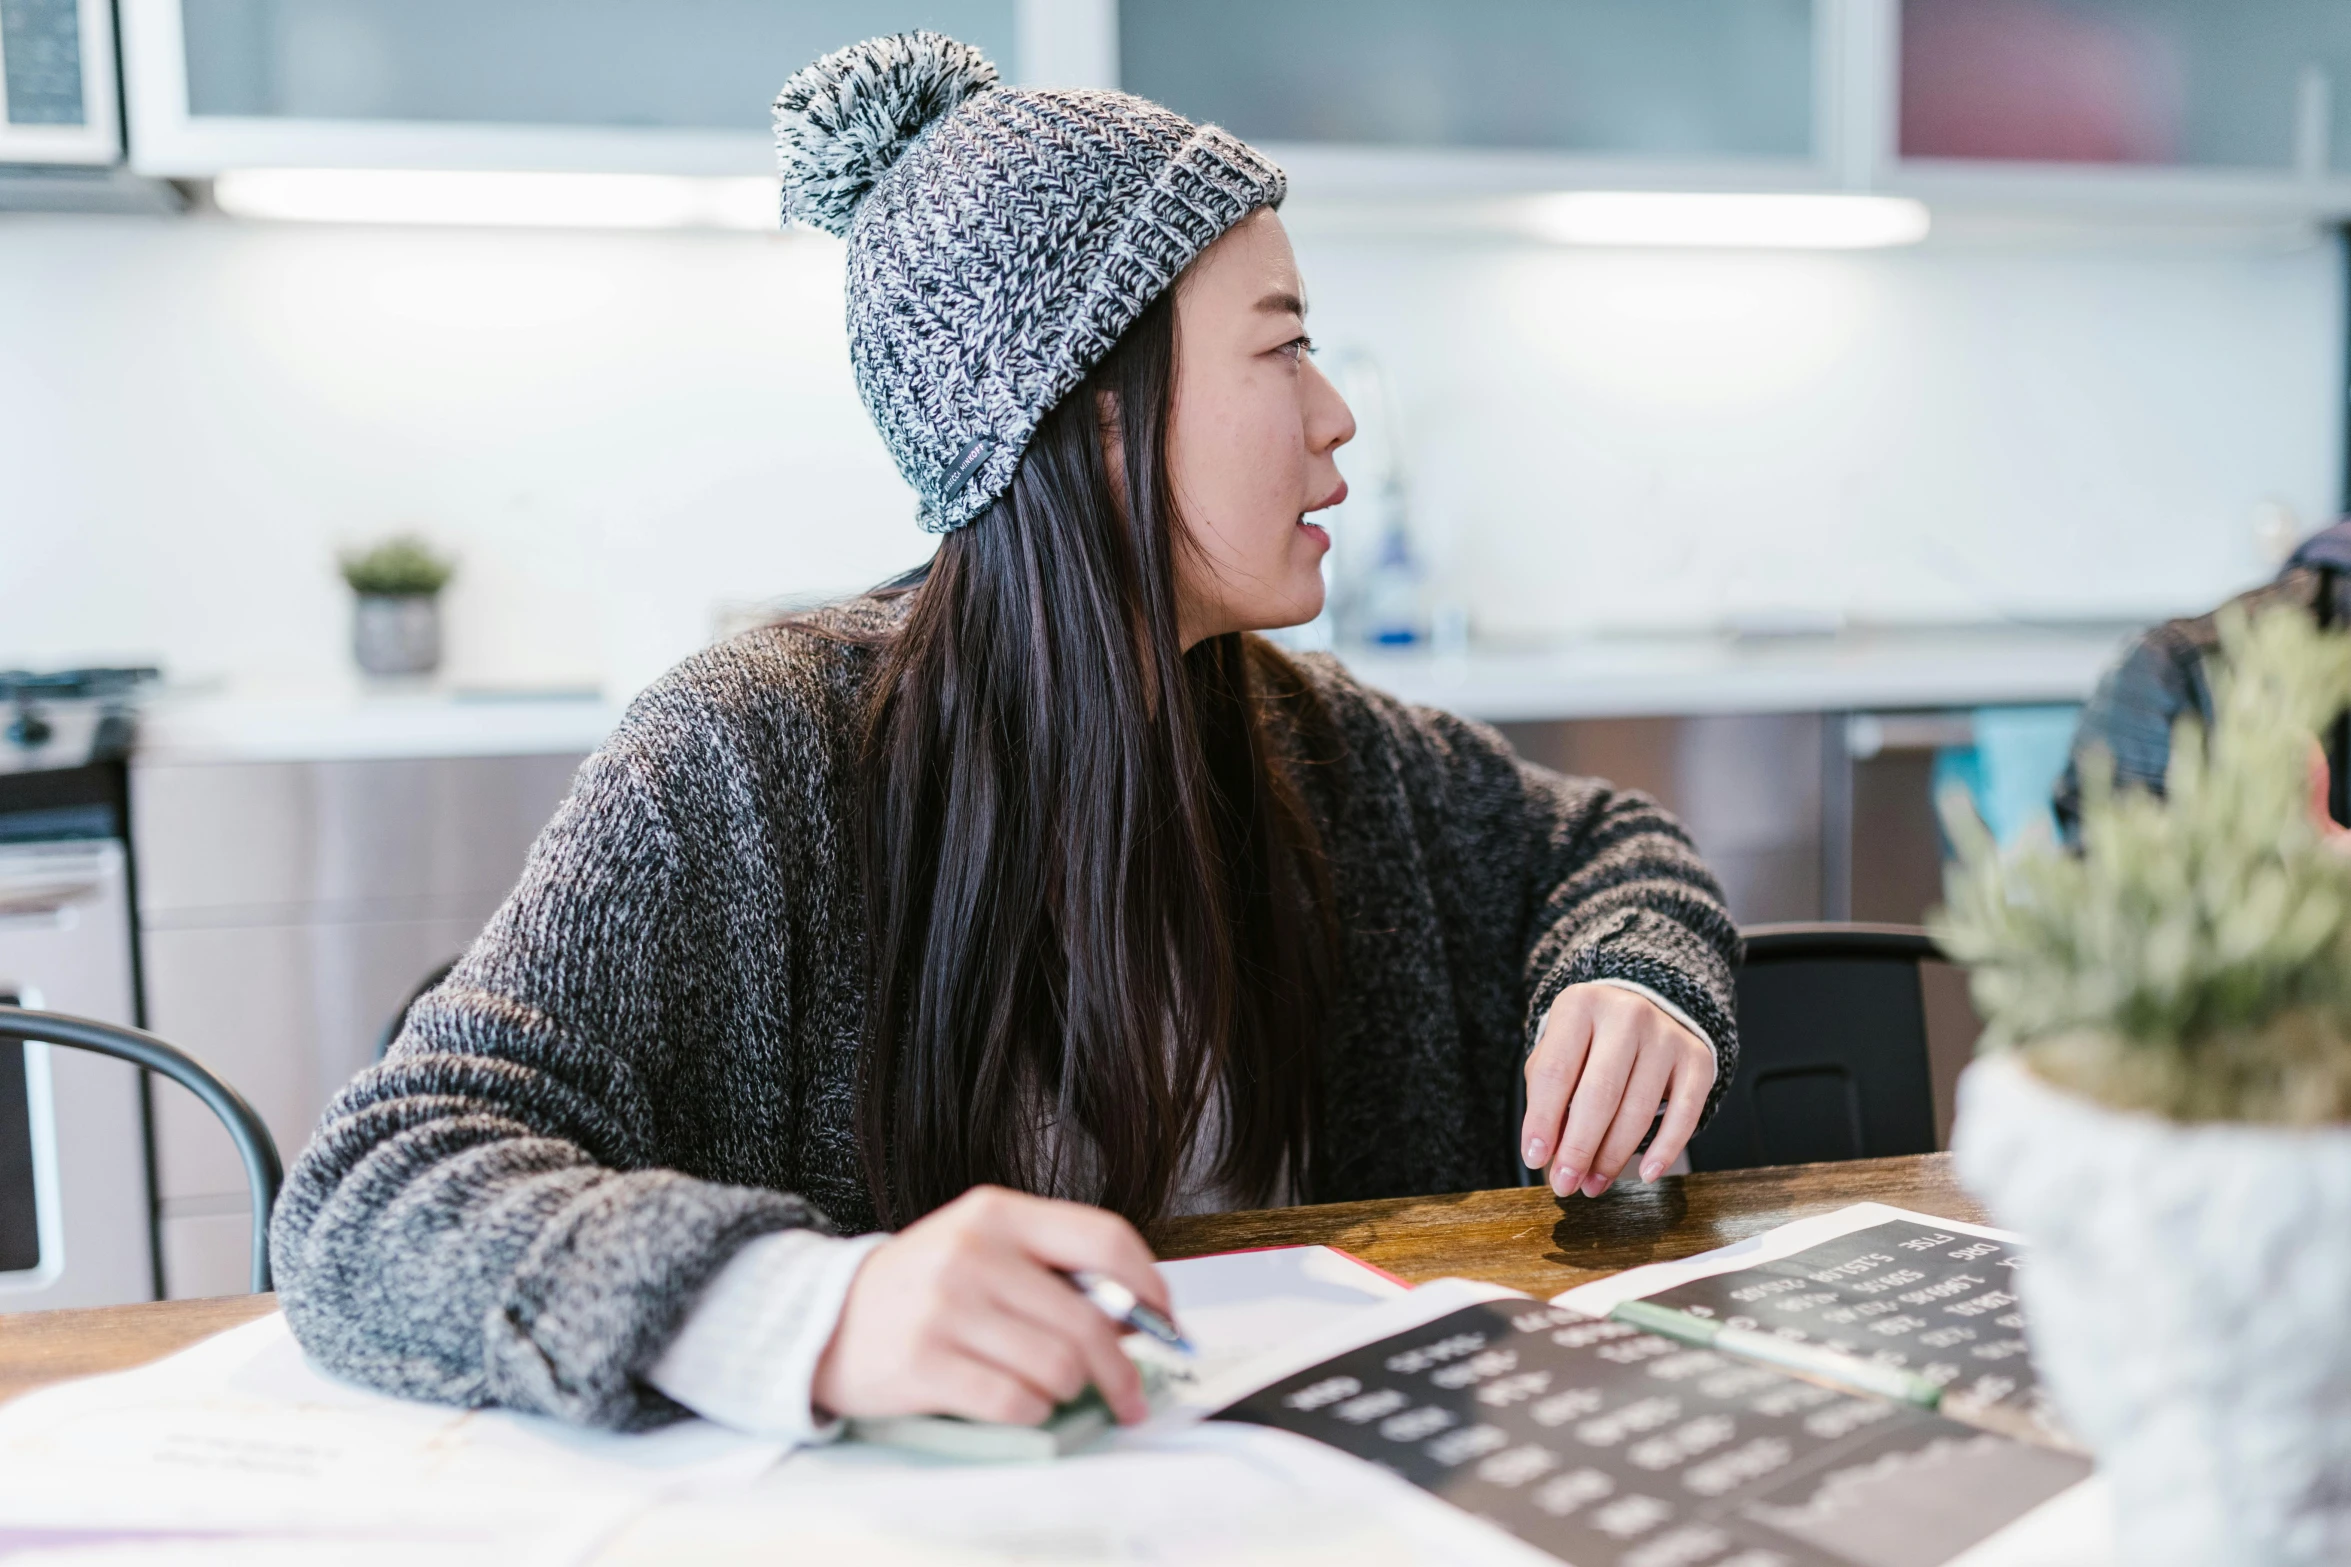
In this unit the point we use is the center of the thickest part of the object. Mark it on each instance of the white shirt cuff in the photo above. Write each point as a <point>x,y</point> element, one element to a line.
<point>1663,1005</point>
<point>747,1356</point>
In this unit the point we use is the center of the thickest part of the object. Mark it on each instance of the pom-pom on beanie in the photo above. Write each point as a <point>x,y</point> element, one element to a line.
<point>1000,240</point>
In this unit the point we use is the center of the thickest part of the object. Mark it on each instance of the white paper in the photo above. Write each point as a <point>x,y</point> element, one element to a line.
<point>1236,1306</point>
<point>238,1449</point>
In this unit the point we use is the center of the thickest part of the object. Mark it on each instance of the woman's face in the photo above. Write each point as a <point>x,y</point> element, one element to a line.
<point>1251,439</point>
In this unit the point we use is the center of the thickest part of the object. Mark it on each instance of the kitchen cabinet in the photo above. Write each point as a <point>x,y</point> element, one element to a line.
<point>2150,83</point>
<point>654,86</point>
<point>1677,92</point>
<point>286,909</point>
<point>57,83</point>
<point>1691,79</point>
<point>2177,106</point>
<point>1422,100</point>
<point>2163,107</point>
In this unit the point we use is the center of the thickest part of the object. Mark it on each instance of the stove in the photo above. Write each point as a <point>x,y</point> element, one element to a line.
<point>69,717</point>
<point>77,1204</point>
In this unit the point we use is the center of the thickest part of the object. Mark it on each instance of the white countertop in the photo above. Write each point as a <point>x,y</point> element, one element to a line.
<point>1601,677</point>
<point>361,725</point>
<point>1849,671</point>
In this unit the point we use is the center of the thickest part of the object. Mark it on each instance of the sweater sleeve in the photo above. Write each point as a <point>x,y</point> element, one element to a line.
<point>482,1217</point>
<point>1610,886</point>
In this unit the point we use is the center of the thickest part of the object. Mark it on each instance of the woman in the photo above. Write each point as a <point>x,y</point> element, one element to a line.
<point>1016,905</point>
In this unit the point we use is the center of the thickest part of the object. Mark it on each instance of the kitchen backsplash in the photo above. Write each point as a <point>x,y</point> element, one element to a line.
<point>620,433</point>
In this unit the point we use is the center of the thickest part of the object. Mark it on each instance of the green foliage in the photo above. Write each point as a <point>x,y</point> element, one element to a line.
<point>2195,957</point>
<point>405,566</point>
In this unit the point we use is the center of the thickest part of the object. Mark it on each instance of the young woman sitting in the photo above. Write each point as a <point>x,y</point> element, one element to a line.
<point>889,963</point>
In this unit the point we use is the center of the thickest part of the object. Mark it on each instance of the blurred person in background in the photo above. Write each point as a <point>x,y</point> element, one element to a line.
<point>2162,678</point>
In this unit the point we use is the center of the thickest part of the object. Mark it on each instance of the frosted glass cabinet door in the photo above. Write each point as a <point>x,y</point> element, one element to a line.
<point>2220,84</point>
<point>677,64</point>
<point>57,82</point>
<point>1686,79</point>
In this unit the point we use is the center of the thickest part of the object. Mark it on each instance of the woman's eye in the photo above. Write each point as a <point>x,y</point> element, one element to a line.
<point>1296,346</point>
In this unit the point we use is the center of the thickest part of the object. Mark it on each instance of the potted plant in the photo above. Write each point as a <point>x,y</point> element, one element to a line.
<point>2162,1104</point>
<point>396,617</point>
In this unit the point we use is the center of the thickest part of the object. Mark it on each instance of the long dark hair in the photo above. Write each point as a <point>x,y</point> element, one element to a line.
<point>1093,894</point>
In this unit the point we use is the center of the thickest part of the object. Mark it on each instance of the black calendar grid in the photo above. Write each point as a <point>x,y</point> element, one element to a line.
<point>1609,1447</point>
<point>1939,1302</point>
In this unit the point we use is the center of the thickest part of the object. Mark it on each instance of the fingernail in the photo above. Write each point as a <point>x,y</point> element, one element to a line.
<point>1594,1184</point>
<point>1651,1170</point>
<point>1563,1180</point>
<point>1535,1152</point>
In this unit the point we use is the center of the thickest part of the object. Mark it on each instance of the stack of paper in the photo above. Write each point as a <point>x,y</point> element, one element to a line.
<point>1550,1425</point>
<point>236,1451</point>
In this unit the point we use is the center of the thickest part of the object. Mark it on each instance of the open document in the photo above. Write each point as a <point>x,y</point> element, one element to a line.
<point>1458,1424</point>
<point>237,1450</point>
<point>1550,1438</point>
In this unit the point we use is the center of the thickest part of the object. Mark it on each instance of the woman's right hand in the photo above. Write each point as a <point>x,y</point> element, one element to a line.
<point>967,1312</point>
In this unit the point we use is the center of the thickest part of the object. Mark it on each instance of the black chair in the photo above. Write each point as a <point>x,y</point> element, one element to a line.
<point>400,1018</point>
<point>1832,1050</point>
<point>264,1174</point>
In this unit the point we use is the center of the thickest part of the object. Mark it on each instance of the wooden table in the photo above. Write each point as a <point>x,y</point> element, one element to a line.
<point>1527,1239</point>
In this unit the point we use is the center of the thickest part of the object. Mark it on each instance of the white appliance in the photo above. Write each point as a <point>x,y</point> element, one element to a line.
<point>80,1177</point>
<point>77,1213</point>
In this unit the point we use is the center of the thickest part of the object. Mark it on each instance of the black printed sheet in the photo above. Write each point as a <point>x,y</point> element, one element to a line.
<point>1609,1447</point>
<point>1938,1302</point>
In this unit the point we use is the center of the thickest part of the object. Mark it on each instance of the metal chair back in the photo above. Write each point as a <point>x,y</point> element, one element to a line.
<point>264,1172</point>
<point>400,1018</point>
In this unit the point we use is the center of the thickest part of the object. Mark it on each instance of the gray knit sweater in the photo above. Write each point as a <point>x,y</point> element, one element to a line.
<point>650,1055</point>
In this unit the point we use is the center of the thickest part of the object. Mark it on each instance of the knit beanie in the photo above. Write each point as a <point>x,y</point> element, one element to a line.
<point>1000,240</point>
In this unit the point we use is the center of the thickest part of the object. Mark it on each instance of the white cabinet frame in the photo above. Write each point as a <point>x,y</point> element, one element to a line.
<point>167,141</point>
<point>1851,135</point>
<point>1074,42</point>
<point>2308,191</point>
<point>97,141</point>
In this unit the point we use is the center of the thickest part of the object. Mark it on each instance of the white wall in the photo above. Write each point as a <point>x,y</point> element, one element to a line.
<point>1950,433</point>
<point>619,431</point>
<point>615,432</point>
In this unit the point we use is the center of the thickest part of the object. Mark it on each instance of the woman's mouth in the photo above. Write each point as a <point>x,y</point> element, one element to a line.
<point>1320,534</point>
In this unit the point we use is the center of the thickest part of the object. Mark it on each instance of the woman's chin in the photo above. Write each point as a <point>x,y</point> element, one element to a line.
<point>1300,610</point>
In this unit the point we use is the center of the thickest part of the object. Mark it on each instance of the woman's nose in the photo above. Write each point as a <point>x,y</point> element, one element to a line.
<point>1330,423</point>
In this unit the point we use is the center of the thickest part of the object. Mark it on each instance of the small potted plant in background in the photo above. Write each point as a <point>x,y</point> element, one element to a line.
<point>396,616</point>
<point>2163,1107</point>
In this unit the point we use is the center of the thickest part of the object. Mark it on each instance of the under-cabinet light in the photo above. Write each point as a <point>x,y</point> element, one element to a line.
<point>1790,222</point>
<point>498,198</point>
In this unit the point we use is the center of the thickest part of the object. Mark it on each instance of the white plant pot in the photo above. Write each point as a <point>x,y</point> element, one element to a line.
<point>2188,1293</point>
<point>395,634</point>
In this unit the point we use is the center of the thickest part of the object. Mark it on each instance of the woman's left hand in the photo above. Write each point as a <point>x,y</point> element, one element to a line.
<point>1606,1059</point>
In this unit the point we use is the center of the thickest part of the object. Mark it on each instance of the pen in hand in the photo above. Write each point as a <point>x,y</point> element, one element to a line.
<point>1121,1305</point>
